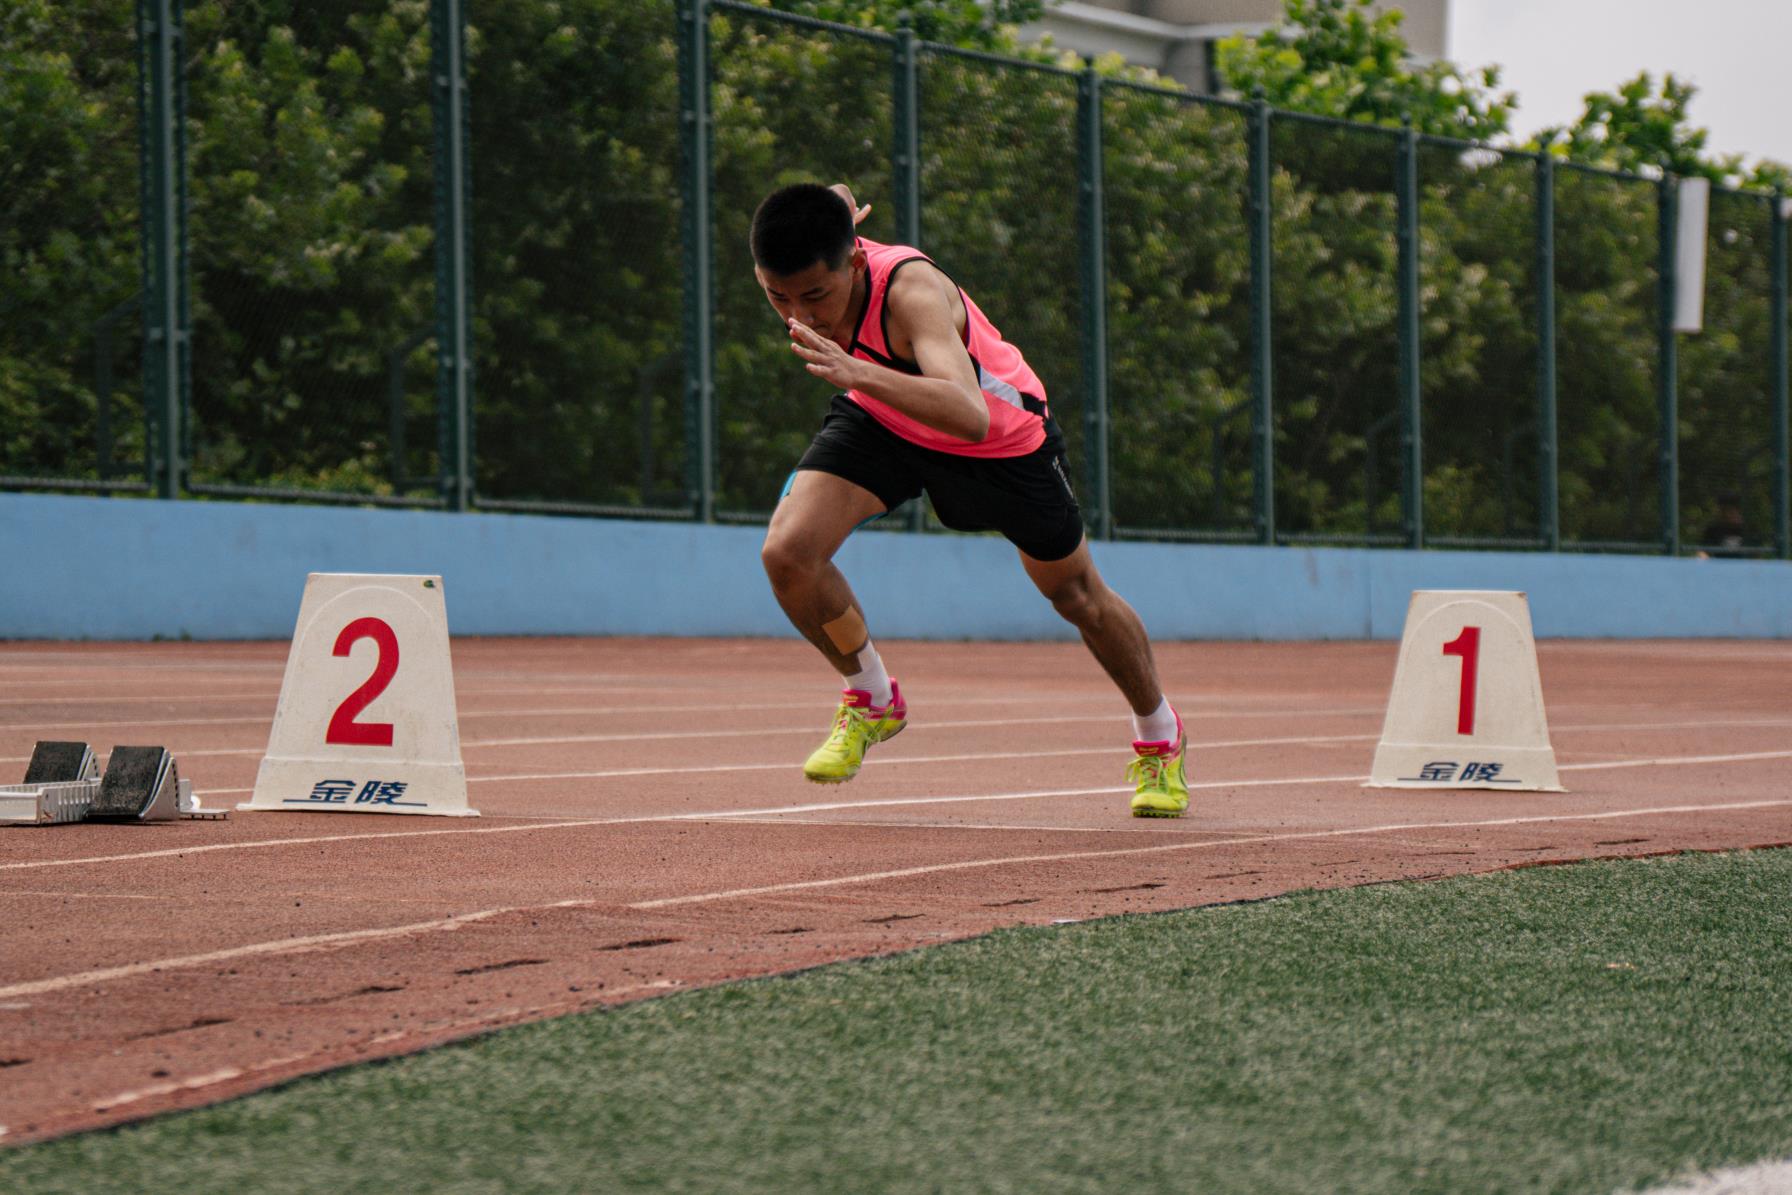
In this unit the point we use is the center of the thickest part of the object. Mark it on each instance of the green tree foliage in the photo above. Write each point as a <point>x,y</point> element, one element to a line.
<point>986,25</point>
<point>1178,283</point>
<point>68,231</point>
<point>1640,126</point>
<point>578,269</point>
<point>1340,58</point>
<point>311,233</point>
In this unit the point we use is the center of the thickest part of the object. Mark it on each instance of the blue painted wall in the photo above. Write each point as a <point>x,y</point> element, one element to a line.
<point>102,568</point>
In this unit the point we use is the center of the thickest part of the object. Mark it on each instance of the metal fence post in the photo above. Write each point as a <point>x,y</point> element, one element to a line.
<point>1263,443</point>
<point>102,388</point>
<point>1091,222</point>
<point>905,166</point>
<point>1549,496</point>
<point>905,120</point>
<point>454,285</point>
<point>1782,491</point>
<point>1668,361</point>
<point>695,131</point>
<point>167,361</point>
<point>1406,188</point>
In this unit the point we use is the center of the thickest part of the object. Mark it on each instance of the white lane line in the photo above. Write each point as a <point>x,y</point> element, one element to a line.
<point>955,799</point>
<point>904,802</point>
<point>609,773</point>
<point>1673,760</point>
<point>39,725</point>
<point>306,945</point>
<point>646,736</point>
<point>785,765</point>
<point>335,941</point>
<point>952,724</point>
<point>774,811</point>
<point>663,735</point>
<point>805,728</point>
<point>1762,1178</point>
<point>1211,784</point>
<point>37,661</point>
<point>706,707</point>
<point>1119,852</point>
<point>496,1018</point>
<point>1009,827</point>
<point>313,840</point>
<point>209,1079</point>
<point>1207,745</point>
<point>270,697</point>
<point>1706,724</point>
<point>163,698</point>
<point>162,896</point>
<point>106,666</point>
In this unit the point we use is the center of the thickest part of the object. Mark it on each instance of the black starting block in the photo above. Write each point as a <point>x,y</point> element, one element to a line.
<point>55,762</point>
<point>63,784</point>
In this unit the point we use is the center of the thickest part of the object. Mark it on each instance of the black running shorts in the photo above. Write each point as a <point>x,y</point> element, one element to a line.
<point>1027,498</point>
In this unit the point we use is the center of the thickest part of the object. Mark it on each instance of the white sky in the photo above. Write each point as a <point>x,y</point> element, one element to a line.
<point>1552,52</point>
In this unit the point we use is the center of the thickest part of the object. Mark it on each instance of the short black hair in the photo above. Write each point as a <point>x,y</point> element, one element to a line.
<point>797,226</point>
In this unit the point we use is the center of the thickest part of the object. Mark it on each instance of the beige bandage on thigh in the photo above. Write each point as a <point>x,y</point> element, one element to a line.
<point>847,633</point>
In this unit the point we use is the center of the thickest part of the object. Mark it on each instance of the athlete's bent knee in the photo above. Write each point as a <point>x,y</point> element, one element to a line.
<point>787,566</point>
<point>1077,604</point>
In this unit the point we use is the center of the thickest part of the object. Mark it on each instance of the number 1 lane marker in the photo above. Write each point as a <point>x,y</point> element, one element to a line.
<point>1467,645</point>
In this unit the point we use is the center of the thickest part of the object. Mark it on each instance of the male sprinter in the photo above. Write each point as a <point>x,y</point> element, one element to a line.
<point>934,400</point>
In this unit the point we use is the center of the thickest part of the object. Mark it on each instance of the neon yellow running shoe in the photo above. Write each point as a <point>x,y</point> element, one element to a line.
<point>857,725</point>
<point>1158,776</point>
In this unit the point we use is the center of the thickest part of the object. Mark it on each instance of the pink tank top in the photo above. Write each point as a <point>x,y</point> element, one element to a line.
<point>1011,391</point>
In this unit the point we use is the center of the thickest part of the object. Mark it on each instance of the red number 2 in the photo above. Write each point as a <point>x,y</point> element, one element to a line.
<point>1468,646</point>
<point>343,727</point>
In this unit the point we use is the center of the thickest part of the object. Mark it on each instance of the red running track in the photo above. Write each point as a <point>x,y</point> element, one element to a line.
<point>646,828</point>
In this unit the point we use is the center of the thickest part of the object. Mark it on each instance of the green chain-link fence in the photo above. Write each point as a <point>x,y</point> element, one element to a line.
<point>1484,430</point>
<point>791,103</point>
<point>310,241</point>
<point>239,257</point>
<point>1339,473</point>
<point>999,204</point>
<point>1176,173</point>
<point>1725,387</point>
<point>576,267</point>
<point>71,323</point>
<point>1608,360</point>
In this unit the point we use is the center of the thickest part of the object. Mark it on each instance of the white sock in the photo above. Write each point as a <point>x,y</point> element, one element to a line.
<point>871,676</point>
<point>1159,726</point>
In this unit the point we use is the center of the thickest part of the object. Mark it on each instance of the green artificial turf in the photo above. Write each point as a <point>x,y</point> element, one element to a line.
<point>1580,1028</point>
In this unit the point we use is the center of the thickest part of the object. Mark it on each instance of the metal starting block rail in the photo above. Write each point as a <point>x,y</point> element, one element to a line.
<point>63,783</point>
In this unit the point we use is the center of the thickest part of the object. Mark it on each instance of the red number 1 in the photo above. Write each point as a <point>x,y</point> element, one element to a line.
<point>343,727</point>
<point>1468,646</point>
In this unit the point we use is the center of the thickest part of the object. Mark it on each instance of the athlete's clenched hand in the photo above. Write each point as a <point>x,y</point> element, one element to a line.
<point>858,213</point>
<point>822,357</point>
